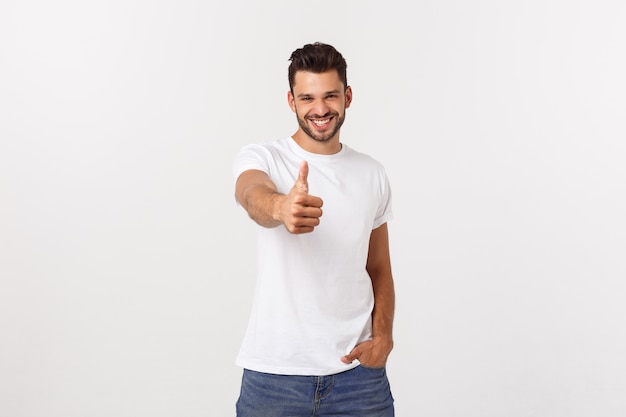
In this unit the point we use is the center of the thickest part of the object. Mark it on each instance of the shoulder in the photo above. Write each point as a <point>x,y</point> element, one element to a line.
<point>262,156</point>
<point>263,149</point>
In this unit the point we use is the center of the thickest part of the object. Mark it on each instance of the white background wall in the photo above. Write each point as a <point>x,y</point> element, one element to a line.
<point>126,270</point>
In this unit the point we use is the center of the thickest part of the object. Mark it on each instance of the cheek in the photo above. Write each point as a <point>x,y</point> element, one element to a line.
<point>300,111</point>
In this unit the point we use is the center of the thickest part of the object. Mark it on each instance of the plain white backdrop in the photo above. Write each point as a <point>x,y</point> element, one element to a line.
<point>126,269</point>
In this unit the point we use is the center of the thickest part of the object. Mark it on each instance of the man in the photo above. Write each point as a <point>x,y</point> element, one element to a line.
<point>320,329</point>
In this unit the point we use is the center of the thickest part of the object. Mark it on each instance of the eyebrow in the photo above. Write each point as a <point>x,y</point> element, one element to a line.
<point>325,94</point>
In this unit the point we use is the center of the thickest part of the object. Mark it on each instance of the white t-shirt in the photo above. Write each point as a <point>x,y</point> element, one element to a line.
<point>313,298</point>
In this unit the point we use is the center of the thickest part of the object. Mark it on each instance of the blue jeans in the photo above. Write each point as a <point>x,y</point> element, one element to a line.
<point>359,392</point>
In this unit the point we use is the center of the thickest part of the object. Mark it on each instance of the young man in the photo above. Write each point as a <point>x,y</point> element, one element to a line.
<point>320,329</point>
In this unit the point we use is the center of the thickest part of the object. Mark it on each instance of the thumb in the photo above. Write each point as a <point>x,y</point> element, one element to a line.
<point>302,182</point>
<point>351,357</point>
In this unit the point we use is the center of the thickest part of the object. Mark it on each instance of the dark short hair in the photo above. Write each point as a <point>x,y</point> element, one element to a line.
<point>317,58</point>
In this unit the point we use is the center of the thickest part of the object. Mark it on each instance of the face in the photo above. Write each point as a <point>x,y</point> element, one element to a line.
<point>320,102</point>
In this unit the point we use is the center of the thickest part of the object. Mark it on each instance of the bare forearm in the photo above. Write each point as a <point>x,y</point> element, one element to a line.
<point>379,270</point>
<point>384,307</point>
<point>262,202</point>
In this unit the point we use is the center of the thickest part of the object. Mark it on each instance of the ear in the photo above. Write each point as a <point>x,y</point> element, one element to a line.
<point>291,100</point>
<point>348,96</point>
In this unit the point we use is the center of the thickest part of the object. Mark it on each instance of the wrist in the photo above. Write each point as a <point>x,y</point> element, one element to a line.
<point>383,340</point>
<point>277,205</point>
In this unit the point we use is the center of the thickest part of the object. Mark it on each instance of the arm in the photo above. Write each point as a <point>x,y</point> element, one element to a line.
<point>298,211</point>
<point>374,352</point>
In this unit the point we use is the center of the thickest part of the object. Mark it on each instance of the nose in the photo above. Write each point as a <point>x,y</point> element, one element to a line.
<point>320,108</point>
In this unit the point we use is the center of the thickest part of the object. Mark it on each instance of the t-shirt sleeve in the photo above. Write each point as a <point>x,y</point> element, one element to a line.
<point>384,212</point>
<point>250,157</point>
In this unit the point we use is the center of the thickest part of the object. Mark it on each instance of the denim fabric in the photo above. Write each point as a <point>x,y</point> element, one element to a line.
<point>359,392</point>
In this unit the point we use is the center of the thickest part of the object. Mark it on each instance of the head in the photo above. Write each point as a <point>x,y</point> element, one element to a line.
<point>318,93</point>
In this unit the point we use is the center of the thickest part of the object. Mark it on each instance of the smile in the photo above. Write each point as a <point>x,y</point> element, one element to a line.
<point>321,122</point>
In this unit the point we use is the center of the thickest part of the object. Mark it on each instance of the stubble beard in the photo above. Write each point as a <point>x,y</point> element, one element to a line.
<point>322,136</point>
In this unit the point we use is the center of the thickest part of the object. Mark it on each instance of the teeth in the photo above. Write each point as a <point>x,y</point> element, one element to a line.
<point>321,122</point>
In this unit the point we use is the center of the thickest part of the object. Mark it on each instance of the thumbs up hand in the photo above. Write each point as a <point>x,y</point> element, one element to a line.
<point>300,212</point>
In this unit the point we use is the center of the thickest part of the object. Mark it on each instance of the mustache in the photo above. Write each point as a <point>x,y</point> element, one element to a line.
<point>325,115</point>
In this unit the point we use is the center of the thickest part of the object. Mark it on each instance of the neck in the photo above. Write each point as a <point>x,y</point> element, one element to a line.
<point>326,147</point>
